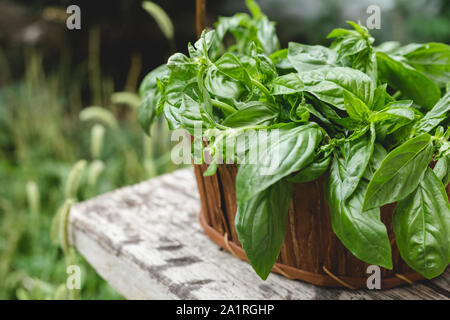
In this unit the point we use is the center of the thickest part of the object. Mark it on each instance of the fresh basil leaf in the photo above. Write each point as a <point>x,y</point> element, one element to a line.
<point>150,96</point>
<point>394,113</point>
<point>433,60</point>
<point>300,114</point>
<point>422,227</point>
<point>149,82</point>
<point>212,169</point>
<point>287,84</point>
<point>356,156</point>
<point>312,172</point>
<point>378,155</point>
<point>261,225</point>
<point>356,109</point>
<point>147,109</point>
<point>400,172</point>
<point>222,86</point>
<point>232,67</point>
<point>204,44</point>
<point>435,116</point>
<point>253,113</point>
<point>354,48</point>
<point>285,151</point>
<point>442,169</point>
<point>190,114</point>
<point>379,97</point>
<point>305,58</point>
<point>267,35</point>
<point>361,232</point>
<point>408,80</point>
<point>171,109</point>
<point>328,84</point>
<point>393,117</point>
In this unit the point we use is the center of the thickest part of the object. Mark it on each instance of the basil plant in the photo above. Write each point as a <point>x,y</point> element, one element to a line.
<point>371,121</point>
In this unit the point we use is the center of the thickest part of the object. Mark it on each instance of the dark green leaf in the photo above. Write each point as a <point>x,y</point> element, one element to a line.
<point>328,84</point>
<point>435,116</point>
<point>400,172</point>
<point>356,109</point>
<point>253,113</point>
<point>378,155</point>
<point>356,157</point>
<point>360,231</point>
<point>312,172</point>
<point>442,169</point>
<point>433,60</point>
<point>261,225</point>
<point>287,84</point>
<point>422,227</point>
<point>284,152</point>
<point>409,81</point>
<point>304,58</point>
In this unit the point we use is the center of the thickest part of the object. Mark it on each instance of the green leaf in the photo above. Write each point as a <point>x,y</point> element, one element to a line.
<point>287,84</point>
<point>190,113</point>
<point>147,110</point>
<point>379,97</point>
<point>356,157</point>
<point>267,36</point>
<point>149,82</point>
<point>442,169</point>
<point>361,232</point>
<point>230,65</point>
<point>305,58</point>
<point>396,115</point>
<point>378,155</point>
<point>400,172</point>
<point>312,172</point>
<point>435,116</point>
<point>222,86</point>
<point>284,152</point>
<point>356,109</point>
<point>433,60</point>
<point>253,113</point>
<point>150,96</point>
<point>261,225</point>
<point>206,41</point>
<point>212,169</point>
<point>408,80</point>
<point>329,84</point>
<point>422,227</point>
<point>354,48</point>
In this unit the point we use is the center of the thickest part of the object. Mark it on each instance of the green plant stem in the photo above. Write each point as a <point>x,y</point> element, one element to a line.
<point>224,106</point>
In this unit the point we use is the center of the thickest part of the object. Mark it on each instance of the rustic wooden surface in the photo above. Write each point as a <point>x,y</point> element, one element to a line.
<point>145,240</point>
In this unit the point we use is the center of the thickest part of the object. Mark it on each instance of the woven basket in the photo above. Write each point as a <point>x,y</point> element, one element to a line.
<point>311,251</point>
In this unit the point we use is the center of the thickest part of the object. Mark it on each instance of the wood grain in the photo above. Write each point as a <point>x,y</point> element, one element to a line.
<point>145,240</point>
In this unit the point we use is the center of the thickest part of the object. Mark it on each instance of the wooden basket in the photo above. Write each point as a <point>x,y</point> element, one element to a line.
<point>311,251</point>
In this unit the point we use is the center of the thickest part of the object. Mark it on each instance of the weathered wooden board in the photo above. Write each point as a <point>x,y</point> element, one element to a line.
<point>145,240</point>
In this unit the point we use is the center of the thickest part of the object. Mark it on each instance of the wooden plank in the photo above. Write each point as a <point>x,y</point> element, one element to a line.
<point>145,240</point>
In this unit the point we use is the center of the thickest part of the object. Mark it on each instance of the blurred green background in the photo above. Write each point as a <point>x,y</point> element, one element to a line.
<point>70,95</point>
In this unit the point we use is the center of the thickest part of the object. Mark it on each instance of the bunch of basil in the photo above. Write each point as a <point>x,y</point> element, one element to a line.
<point>370,118</point>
